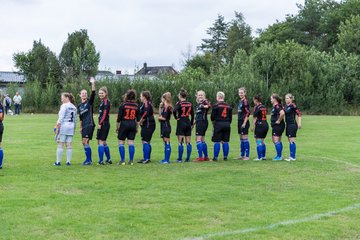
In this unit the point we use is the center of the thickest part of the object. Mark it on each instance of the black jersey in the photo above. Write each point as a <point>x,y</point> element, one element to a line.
<point>147,113</point>
<point>290,111</point>
<point>86,111</point>
<point>104,111</point>
<point>201,111</point>
<point>275,113</point>
<point>184,110</point>
<point>221,112</point>
<point>2,110</point>
<point>243,109</point>
<point>128,111</point>
<point>166,113</point>
<point>260,113</point>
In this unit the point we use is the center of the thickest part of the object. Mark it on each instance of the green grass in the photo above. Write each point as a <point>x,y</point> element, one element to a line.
<point>176,201</point>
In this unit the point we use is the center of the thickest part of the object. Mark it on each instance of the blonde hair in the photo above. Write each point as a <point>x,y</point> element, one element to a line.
<point>200,91</point>
<point>242,89</point>
<point>167,97</point>
<point>105,90</point>
<point>221,95</point>
<point>69,96</point>
<point>290,96</point>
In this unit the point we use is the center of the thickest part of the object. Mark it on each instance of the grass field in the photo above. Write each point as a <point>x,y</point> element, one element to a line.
<point>316,197</point>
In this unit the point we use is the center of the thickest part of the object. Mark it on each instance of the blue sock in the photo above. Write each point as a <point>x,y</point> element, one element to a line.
<point>278,149</point>
<point>167,151</point>
<point>188,151</point>
<point>199,147</point>
<point>1,156</point>
<point>101,152</point>
<point>87,152</point>
<point>150,149</point>
<point>146,151</point>
<point>205,150</point>
<point>242,148</point>
<point>263,152</point>
<point>131,152</point>
<point>216,150</point>
<point>180,150</point>
<point>293,150</point>
<point>225,149</point>
<point>247,147</point>
<point>107,151</point>
<point>122,152</point>
<point>281,148</point>
<point>259,148</point>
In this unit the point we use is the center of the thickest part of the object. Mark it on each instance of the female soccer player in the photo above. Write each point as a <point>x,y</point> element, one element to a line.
<point>243,124</point>
<point>126,125</point>
<point>87,124</point>
<point>165,111</point>
<point>65,127</point>
<point>184,115</point>
<point>277,124</point>
<point>201,122</point>
<point>147,123</point>
<point>103,126</point>
<point>221,117</point>
<point>291,125</point>
<point>261,127</point>
<point>1,130</point>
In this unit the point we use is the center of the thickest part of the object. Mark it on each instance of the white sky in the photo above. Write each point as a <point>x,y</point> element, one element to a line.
<point>127,33</point>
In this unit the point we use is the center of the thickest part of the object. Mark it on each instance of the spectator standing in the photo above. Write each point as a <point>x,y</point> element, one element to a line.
<point>17,103</point>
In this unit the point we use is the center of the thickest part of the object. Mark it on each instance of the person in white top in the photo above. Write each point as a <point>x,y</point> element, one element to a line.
<point>65,127</point>
<point>17,103</point>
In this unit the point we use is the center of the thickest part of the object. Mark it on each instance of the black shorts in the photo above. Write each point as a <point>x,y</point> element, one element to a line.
<point>147,132</point>
<point>291,130</point>
<point>278,129</point>
<point>103,132</point>
<point>245,130</point>
<point>261,130</point>
<point>127,130</point>
<point>165,131</point>
<point>1,131</point>
<point>183,128</point>
<point>201,127</point>
<point>221,132</point>
<point>87,132</point>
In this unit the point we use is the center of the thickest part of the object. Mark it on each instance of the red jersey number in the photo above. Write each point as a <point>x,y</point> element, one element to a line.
<point>130,114</point>
<point>184,112</point>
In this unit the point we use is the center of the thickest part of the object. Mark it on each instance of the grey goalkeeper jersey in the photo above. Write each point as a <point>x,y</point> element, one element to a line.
<point>67,118</point>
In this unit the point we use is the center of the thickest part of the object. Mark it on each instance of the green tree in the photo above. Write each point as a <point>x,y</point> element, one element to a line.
<point>78,55</point>
<point>238,37</point>
<point>204,61</point>
<point>349,35</point>
<point>39,64</point>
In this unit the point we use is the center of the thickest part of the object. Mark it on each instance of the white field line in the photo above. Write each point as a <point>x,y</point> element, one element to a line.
<point>275,225</point>
<point>335,160</point>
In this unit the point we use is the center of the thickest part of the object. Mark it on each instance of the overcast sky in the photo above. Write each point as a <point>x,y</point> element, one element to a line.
<point>126,33</point>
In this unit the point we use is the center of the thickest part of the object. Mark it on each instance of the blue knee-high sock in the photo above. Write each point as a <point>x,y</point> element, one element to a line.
<point>247,147</point>
<point>167,151</point>
<point>293,150</point>
<point>225,149</point>
<point>150,149</point>
<point>107,151</point>
<point>131,152</point>
<point>278,149</point>
<point>188,151</point>
<point>205,150</point>
<point>101,152</point>
<point>87,150</point>
<point>242,148</point>
<point>199,147</point>
<point>180,151</point>
<point>259,148</point>
<point>216,150</point>
<point>122,152</point>
<point>1,157</point>
<point>263,152</point>
<point>146,151</point>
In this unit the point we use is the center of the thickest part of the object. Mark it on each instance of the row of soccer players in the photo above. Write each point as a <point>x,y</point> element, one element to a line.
<point>130,115</point>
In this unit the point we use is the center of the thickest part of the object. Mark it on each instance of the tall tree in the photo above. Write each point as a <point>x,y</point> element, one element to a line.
<point>349,36</point>
<point>39,64</point>
<point>78,54</point>
<point>238,37</point>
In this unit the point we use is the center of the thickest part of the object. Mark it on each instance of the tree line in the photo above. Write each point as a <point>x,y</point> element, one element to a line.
<point>313,54</point>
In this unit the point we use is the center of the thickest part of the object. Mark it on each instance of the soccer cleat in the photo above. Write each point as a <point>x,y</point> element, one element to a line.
<point>290,159</point>
<point>57,164</point>
<point>225,159</point>
<point>214,159</point>
<point>87,163</point>
<point>108,161</point>
<point>187,160</point>
<point>257,159</point>
<point>141,161</point>
<point>246,159</point>
<point>146,161</point>
<point>101,163</point>
<point>206,159</point>
<point>164,162</point>
<point>122,163</point>
<point>68,163</point>
<point>179,160</point>
<point>0,167</point>
<point>199,160</point>
<point>131,163</point>
<point>263,158</point>
<point>277,158</point>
